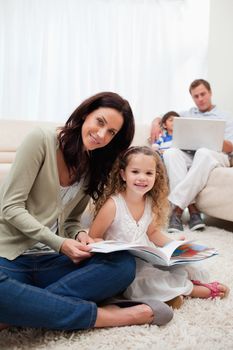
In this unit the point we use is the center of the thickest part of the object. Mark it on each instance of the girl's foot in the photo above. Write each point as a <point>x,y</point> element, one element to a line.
<point>209,290</point>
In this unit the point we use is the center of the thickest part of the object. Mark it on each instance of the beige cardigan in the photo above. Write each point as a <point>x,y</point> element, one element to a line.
<point>30,200</point>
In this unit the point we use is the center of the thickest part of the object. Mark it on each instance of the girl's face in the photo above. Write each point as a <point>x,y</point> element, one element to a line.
<point>140,173</point>
<point>100,127</point>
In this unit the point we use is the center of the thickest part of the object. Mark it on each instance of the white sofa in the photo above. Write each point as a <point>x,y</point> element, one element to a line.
<point>215,200</point>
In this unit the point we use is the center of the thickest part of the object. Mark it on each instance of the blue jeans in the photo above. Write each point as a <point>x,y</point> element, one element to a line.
<point>50,291</point>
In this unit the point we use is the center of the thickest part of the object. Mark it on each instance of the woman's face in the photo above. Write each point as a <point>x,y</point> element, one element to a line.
<point>100,127</point>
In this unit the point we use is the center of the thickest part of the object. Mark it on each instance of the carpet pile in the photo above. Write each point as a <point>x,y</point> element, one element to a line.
<point>199,324</point>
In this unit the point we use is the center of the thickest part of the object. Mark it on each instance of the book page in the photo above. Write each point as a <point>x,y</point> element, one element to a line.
<point>164,253</point>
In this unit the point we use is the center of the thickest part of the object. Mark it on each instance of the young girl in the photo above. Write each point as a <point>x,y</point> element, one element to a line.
<point>133,208</point>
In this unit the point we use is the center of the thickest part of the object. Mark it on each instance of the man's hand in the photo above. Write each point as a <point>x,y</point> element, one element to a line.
<point>76,251</point>
<point>227,146</point>
<point>155,130</point>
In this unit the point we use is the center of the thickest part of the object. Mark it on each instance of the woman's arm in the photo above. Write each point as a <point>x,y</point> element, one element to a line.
<point>103,220</point>
<point>16,189</point>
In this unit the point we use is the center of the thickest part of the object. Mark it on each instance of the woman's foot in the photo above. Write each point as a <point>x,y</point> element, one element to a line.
<point>115,316</point>
<point>209,290</point>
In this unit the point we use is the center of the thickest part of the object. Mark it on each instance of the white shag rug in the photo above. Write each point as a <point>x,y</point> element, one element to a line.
<point>199,324</point>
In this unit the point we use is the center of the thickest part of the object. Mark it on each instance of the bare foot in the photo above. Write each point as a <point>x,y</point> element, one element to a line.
<point>223,290</point>
<point>200,291</point>
<point>114,316</point>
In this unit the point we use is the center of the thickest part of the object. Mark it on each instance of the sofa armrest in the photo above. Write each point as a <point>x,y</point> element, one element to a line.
<point>216,198</point>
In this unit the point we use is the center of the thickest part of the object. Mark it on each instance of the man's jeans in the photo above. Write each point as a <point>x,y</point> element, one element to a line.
<point>50,291</point>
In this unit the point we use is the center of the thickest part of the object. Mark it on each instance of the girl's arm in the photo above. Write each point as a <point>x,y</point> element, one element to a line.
<point>157,237</point>
<point>103,220</point>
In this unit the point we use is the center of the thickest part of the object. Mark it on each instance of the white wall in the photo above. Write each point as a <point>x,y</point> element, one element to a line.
<point>220,53</point>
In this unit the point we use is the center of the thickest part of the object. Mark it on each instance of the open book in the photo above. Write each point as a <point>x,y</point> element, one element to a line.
<point>174,253</point>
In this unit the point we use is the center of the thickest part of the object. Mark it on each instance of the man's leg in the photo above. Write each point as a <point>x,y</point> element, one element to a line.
<point>177,164</point>
<point>203,163</point>
<point>195,220</point>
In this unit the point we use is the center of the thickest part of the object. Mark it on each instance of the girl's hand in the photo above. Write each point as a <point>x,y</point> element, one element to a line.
<point>76,251</point>
<point>98,239</point>
<point>84,238</point>
<point>181,238</point>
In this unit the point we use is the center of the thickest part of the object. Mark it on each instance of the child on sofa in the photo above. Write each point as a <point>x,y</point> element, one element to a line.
<point>133,208</point>
<point>165,139</point>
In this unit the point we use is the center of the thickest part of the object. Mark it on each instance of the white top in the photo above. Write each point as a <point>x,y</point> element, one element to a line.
<point>150,282</point>
<point>125,228</point>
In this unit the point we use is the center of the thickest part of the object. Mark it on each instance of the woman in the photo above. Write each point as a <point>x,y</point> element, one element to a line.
<point>47,277</point>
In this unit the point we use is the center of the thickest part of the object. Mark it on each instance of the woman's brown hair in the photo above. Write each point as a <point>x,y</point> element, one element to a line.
<point>97,163</point>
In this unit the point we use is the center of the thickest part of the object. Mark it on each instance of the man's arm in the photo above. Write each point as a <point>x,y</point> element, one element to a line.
<point>228,137</point>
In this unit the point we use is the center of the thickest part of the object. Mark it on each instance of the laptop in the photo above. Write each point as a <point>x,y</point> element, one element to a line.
<point>194,133</point>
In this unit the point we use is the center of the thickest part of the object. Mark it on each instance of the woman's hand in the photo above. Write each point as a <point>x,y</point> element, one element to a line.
<point>76,251</point>
<point>84,238</point>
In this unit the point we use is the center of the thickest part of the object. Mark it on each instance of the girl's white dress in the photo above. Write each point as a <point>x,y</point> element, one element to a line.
<point>150,282</point>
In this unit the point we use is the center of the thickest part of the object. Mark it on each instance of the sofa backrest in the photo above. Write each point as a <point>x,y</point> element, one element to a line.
<point>12,133</point>
<point>142,134</point>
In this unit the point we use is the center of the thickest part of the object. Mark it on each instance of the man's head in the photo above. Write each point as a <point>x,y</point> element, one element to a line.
<point>201,93</point>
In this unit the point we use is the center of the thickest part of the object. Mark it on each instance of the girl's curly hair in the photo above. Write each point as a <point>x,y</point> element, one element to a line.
<point>158,193</point>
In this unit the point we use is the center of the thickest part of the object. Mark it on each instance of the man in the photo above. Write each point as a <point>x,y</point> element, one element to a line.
<point>188,172</point>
